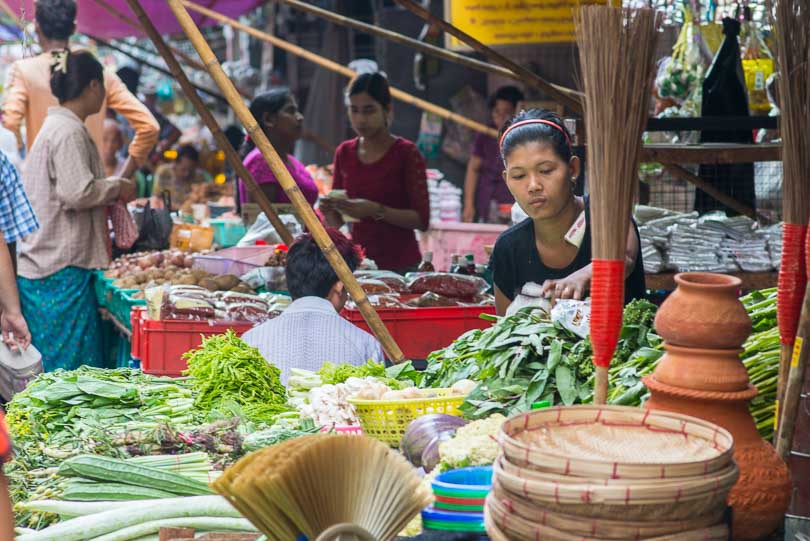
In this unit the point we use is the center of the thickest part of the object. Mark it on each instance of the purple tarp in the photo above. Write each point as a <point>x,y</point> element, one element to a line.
<point>96,20</point>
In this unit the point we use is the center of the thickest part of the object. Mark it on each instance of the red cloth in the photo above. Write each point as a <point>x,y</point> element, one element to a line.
<point>5,441</point>
<point>397,180</point>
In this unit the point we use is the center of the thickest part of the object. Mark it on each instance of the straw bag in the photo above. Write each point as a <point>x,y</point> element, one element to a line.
<point>17,369</point>
<point>124,228</point>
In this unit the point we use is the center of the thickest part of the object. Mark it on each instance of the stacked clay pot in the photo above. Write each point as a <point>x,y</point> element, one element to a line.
<point>704,325</point>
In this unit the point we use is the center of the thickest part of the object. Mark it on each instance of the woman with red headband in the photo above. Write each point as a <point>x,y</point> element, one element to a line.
<point>552,247</point>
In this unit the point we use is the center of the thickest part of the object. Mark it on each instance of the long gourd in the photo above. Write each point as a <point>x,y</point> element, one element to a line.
<point>198,523</point>
<point>90,526</point>
<point>113,470</point>
<point>100,491</point>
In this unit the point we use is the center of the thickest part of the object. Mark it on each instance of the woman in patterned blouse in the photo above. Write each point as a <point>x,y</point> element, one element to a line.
<point>384,177</point>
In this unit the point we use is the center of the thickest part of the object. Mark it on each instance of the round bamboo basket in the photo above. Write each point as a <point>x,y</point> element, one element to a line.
<point>604,528</point>
<point>615,442</point>
<point>515,528</point>
<point>638,502</point>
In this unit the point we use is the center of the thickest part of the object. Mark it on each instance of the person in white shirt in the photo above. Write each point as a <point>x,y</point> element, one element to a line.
<point>311,331</point>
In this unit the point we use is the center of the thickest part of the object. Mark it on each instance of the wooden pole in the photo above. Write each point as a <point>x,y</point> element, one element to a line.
<point>285,179</point>
<point>600,388</point>
<point>421,46</point>
<point>177,52</point>
<point>570,98</point>
<point>790,402</point>
<point>727,200</point>
<point>209,120</point>
<point>341,69</point>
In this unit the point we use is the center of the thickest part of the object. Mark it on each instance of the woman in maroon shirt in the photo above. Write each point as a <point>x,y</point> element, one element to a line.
<point>384,177</point>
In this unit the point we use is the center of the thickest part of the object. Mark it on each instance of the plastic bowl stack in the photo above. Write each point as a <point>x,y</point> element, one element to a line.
<point>608,473</point>
<point>459,501</point>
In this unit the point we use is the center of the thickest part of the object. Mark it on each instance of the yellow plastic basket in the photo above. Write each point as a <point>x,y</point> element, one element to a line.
<point>387,420</point>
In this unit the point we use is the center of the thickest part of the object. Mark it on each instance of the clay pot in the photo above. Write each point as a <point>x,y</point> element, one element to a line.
<point>762,493</point>
<point>704,312</point>
<point>702,369</point>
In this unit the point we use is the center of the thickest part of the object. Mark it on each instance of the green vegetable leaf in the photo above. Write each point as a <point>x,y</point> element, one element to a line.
<point>566,385</point>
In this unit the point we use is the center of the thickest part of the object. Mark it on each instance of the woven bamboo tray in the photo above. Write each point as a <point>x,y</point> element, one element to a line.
<point>612,528</point>
<point>620,491</point>
<point>674,483</point>
<point>513,527</point>
<point>615,442</point>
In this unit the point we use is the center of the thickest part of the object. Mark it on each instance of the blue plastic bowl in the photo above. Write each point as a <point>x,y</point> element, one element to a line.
<point>432,514</point>
<point>473,479</point>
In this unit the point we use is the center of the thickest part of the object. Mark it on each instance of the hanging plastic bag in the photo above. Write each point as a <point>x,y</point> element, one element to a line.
<point>154,226</point>
<point>123,225</point>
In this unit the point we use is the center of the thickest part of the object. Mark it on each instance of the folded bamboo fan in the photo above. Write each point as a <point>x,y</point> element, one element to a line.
<point>327,487</point>
<point>616,48</point>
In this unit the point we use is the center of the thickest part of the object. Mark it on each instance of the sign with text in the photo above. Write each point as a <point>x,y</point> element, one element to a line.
<point>513,22</point>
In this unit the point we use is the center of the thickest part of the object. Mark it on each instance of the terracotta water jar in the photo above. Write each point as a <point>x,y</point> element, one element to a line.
<point>704,312</point>
<point>706,379</point>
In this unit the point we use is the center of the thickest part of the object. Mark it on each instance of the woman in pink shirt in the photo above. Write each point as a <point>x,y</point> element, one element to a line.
<point>282,122</point>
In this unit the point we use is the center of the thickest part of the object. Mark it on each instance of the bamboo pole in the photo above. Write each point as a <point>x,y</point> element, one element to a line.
<point>285,179</point>
<point>421,46</point>
<point>570,98</point>
<point>209,120</point>
<point>341,69</point>
<point>177,52</point>
<point>791,400</point>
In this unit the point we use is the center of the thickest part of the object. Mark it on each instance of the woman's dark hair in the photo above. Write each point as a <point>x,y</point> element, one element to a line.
<point>269,103</point>
<point>73,74</point>
<point>512,94</point>
<point>308,272</point>
<point>189,152</point>
<point>56,18</point>
<point>374,84</point>
<point>555,135</point>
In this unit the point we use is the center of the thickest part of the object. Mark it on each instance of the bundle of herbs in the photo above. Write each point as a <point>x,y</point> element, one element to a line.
<point>526,358</point>
<point>225,369</point>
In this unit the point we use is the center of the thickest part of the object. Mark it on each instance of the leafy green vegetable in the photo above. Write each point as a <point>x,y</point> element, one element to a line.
<point>338,373</point>
<point>225,368</point>
<point>525,358</point>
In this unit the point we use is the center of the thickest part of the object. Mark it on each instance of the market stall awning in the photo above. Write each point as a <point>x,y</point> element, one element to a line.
<point>95,19</point>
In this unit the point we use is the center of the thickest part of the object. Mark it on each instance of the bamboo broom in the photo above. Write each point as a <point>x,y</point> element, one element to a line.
<point>287,183</point>
<point>791,19</point>
<point>341,69</point>
<point>792,45</point>
<point>212,124</point>
<point>616,48</point>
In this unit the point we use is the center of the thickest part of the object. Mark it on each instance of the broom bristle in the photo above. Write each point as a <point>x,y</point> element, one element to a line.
<point>311,483</point>
<point>616,48</point>
<point>791,21</point>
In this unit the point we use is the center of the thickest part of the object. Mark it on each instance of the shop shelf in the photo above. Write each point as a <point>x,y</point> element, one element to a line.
<point>421,331</point>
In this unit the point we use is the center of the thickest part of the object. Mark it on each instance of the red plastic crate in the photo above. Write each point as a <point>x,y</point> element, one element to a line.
<point>421,331</point>
<point>161,344</point>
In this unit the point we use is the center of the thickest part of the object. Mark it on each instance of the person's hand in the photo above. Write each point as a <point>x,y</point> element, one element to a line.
<point>574,286</point>
<point>128,190</point>
<point>15,331</point>
<point>358,208</point>
<point>469,213</point>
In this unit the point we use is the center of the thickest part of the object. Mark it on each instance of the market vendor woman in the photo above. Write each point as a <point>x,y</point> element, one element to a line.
<point>541,171</point>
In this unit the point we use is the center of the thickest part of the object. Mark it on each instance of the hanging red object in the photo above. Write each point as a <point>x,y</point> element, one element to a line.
<point>607,306</point>
<point>792,281</point>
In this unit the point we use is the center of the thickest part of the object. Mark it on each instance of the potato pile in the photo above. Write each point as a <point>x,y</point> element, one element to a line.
<point>141,271</point>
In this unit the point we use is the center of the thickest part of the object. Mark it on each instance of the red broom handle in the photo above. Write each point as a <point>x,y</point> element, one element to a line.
<point>607,304</point>
<point>791,285</point>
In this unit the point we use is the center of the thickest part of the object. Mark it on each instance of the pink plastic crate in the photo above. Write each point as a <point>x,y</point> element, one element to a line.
<point>238,260</point>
